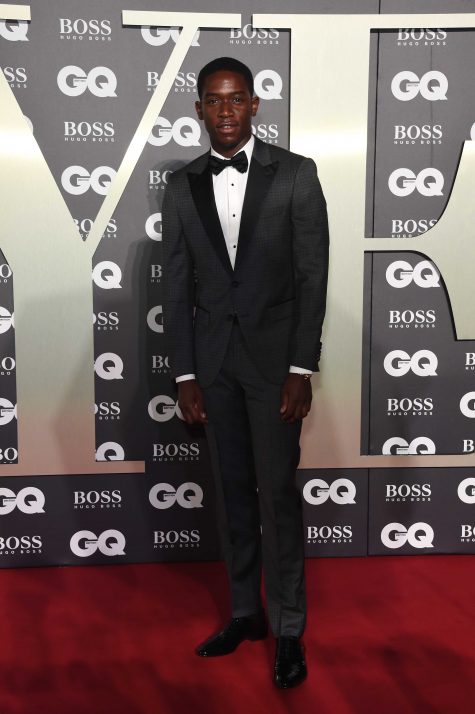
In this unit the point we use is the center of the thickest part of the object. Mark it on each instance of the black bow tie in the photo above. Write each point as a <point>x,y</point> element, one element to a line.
<point>239,161</point>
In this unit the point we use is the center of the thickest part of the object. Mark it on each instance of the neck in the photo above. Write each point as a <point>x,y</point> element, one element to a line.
<point>229,151</point>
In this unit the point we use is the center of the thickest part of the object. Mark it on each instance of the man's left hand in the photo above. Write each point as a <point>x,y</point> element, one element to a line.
<point>296,398</point>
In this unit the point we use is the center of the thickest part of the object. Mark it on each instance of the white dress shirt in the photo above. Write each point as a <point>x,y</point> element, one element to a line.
<point>229,188</point>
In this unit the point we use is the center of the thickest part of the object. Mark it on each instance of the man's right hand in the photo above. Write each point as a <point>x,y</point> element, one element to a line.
<point>190,401</point>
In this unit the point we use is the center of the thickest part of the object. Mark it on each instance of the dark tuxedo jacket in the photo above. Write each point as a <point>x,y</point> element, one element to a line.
<point>277,289</point>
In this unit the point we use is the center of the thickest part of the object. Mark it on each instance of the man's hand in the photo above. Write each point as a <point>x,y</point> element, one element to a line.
<point>296,398</point>
<point>190,401</point>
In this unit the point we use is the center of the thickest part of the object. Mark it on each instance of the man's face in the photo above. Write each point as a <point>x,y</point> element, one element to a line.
<point>226,107</point>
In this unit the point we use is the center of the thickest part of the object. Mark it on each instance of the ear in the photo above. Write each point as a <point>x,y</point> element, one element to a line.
<point>198,110</point>
<point>254,106</point>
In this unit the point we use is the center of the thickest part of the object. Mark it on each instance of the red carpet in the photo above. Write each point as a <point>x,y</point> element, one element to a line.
<point>388,635</point>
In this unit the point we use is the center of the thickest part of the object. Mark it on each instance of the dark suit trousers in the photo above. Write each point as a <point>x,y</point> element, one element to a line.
<point>255,456</point>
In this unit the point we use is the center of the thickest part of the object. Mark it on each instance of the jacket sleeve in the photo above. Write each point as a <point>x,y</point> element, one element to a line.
<point>310,265</point>
<point>178,293</point>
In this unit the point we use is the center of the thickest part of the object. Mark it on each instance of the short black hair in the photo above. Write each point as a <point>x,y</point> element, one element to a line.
<point>229,63</point>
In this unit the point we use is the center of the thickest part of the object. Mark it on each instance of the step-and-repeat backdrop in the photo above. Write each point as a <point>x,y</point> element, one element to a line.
<point>83,80</point>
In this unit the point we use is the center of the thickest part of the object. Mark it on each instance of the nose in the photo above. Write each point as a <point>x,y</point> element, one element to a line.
<point>225,108</point>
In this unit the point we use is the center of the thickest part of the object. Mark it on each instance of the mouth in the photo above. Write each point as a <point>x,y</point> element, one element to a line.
<point>227,127</point>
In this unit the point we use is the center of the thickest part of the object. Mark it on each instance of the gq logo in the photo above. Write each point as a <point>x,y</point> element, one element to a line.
<point>110,451</point>
<point>188,495</point>
<point>73,81</point>
<point>341,491</point>
<point>423,363</point>
<point>185,131</point>
<point>14,31</point>
<point>153,319</point>
<point>28,500</point>
<point>86,543</point>
<point>466,490</point>
<point>77,180</point>
<point>419,446</point>
<point>467,405</point>
<point>109,366</point>
<point>153,226</point>
<point>7,411</point>
<point>432,86</point>
<point>419,535</point>
<point>6,320</point>
<point>163,408</point>
<point>268,84</point>
<point>429,182</point>
<point>107,275</point>
<point>400,274</point>
<point>158,36</point>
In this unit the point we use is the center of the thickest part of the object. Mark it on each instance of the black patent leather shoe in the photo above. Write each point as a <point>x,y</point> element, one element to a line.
<point>290,668</point>
<point>238,629</point>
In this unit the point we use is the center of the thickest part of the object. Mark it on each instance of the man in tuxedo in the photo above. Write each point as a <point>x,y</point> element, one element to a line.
<point>245,241</point>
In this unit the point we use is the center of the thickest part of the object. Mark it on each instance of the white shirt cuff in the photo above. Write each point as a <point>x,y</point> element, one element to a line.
<point>298,370</point>
<point>185,377</point>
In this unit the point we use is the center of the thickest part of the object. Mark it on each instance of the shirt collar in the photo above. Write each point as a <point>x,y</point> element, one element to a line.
<point>247,148</point>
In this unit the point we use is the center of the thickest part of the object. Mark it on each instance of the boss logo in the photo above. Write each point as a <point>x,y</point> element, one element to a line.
<point>14,30</point>
<point>266,132</point>
<point>426,36</point>
<point>110,543</point>
<point>163,408</point>
<point>158,36</point>
<point>180,452</point>
<point>158,179</point>
<point>329,534</point>
<point>248,35</point>
<point>423,363</point>
<point>155,273</point>
<point>5,273</point>
<point>15,76</point>
<point>28,500</point>
<point>109,366</point>
<point>7,364</point>
<point>97,499</point>
<point>400,447</point>
<point>411,318</point>
<point>85,224</point>
<point>77,180</point>
<point>410,227</point>
<point>176,539</point>
<point>467,534</point>
<point>155,319</point>
<point>467,405</point>
<point>106,411</point>
<point>83,130</point>
<point>432,86</point>
<point>23,545</point>
<point>160,364</point>
<point>317,491</point>
<point>8,455</point>
<point>188,495</point>
<point>424,134</point>
<point>79,28</point>
<point>7,411</point>
<point>428,182</point>
<point>469,361</point>
<point>468,446</point>
<point>185,131</point>
<point>106,321</point>
<point>268,84</point>
<point>74,81</point>
<point>153,226</point>
<point>466,490</point>
<point>110,451</point>
<point>408,492</point>
<point>107,275</point>
<point>419,406</point>
<point>7,320</point>
<point>400,274</point>
<point>419,535</point>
